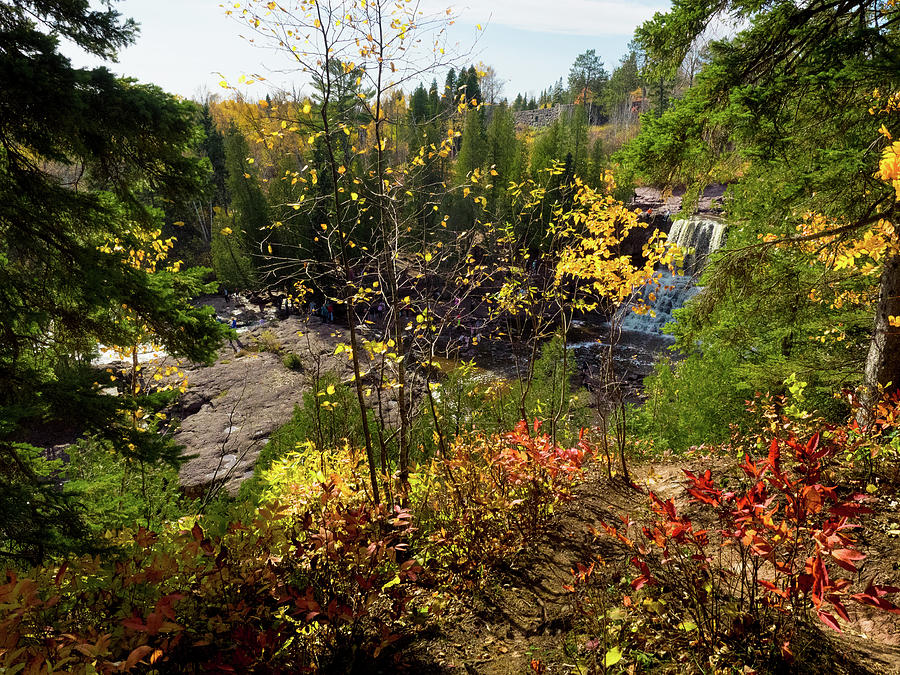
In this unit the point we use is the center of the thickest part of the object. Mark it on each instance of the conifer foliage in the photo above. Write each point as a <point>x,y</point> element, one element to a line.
<point>80,153</point>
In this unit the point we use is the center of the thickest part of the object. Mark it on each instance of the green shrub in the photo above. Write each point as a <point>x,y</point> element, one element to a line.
<point>118,491</point>
<point>268,342</point>
<point>292,361</point>
<point>691,402</point>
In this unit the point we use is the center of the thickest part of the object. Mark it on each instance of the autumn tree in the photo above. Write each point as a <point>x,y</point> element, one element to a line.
<point>365,228</point>
<point>563,259</point>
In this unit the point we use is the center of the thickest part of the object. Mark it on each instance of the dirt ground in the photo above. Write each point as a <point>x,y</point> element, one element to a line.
<point>522,614</point>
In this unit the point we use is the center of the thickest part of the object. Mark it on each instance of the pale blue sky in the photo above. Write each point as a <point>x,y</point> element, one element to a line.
<point>530,43</point>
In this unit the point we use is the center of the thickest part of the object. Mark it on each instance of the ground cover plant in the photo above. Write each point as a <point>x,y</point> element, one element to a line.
<point>749,560</point>
<point>317,576</point>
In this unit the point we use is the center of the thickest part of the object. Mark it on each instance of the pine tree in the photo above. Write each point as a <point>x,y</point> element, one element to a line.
<point>251,217</point>
<point>434,99</point>
<point>62,288</point>
<point>503,151</point>
<point>448,97</point>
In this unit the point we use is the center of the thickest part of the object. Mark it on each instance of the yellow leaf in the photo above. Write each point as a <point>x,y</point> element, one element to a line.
<point>330,389</point>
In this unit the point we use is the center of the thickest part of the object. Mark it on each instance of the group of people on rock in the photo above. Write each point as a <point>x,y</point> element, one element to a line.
<point>468,333</point>
<point>324,311</point>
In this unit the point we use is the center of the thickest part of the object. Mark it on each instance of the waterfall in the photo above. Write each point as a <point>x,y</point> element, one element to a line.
<point>698,236</point>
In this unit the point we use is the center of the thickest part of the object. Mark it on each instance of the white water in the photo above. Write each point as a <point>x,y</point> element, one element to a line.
<point>146,354</point>
<point>698,236</point>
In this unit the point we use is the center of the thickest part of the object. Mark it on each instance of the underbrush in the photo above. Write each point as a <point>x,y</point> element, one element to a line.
<point>734,570</point>
<point>316,577</point>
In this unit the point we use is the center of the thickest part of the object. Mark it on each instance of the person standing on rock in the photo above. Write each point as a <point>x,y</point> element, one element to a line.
<point>231,340</point>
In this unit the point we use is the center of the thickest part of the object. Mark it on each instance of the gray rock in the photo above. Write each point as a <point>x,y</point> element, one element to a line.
<point>232,407</point>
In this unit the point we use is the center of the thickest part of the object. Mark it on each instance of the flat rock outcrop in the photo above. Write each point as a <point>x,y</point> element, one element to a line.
<point>231,408</point>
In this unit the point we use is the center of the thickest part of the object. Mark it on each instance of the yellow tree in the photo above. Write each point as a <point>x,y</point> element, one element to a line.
<point>371,48</point>
<point>578,268</point>
<point>144,249</point>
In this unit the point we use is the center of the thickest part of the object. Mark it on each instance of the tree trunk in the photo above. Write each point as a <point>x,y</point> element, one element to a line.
<point>883,362</point>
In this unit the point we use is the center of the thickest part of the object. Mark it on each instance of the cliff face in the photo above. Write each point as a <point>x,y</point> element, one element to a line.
<point>544,117</point>
<point>659,209</point>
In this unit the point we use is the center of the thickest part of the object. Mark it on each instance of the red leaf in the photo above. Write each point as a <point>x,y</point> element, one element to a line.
<point>813,443</point>
<point>786,652</point>
<point>839,608</point>
<point>775,456</point>
<point>848,509</point>
<point>59,575</point>
<point>135,622</point>
<point>830,621</point>
<point>136,655</point>
<point>874,601</point>
<point>845,557</point>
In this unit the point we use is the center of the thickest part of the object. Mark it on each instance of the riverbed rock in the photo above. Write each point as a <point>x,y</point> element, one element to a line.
<point>232,407</point>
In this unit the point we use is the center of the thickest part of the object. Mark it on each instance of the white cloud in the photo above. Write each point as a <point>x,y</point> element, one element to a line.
<point>573,17</point>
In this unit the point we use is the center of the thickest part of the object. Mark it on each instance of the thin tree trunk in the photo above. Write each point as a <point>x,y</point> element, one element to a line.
<point>883,362</point>
<point>344,262</point>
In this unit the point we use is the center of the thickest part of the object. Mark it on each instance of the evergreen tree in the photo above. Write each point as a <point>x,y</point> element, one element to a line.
<point>503,154</point>
<point>789,99</point>
<point>587,82</point>
<point>577,127</point>
<point>419,111</point>
<point>62,287</point>
<point>472,84</point>
<point>448,97</point>
<point>250,210</point>
<point>472,155</point>
<point>558,94</point>
<point>434,99</point>
<point>596,164</point>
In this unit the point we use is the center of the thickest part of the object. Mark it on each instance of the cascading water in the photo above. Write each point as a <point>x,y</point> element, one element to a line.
<point>698,236</point>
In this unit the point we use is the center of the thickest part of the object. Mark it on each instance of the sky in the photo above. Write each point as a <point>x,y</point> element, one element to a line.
<point>188,46</point>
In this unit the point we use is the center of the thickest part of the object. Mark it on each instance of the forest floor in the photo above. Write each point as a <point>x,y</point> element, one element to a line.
<point>521,620</point>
